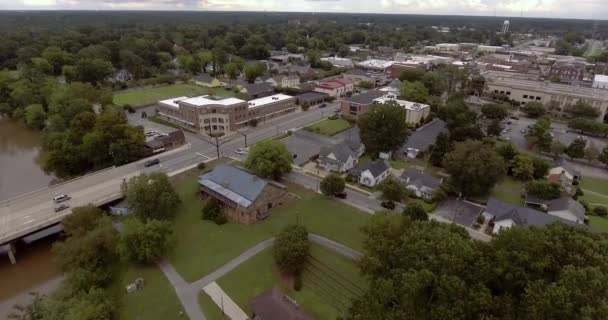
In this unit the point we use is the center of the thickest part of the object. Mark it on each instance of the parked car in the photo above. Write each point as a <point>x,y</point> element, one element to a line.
<point>61,198</point>
<point>323,105</point>
<point>341,195</point>
<point>241,151</point>
<point>61,207</point>
<point>388,205</point>
<point>152,162</point>
<point>514,117</point>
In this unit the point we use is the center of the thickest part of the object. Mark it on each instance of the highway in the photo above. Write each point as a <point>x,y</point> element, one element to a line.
<point>33,211</point>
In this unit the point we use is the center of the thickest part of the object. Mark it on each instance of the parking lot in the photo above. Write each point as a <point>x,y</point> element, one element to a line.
<point>151,129</point>
<point>460,212</point>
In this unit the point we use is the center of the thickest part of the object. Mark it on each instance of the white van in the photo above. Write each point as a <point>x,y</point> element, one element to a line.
<point>61,198</point>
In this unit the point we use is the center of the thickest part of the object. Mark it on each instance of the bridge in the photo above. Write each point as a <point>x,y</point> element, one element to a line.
<point>26,214</point>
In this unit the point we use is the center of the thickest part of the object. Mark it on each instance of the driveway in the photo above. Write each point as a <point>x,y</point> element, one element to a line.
<point>460,212</point>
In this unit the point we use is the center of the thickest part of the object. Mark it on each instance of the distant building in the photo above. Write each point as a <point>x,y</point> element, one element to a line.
<point>505,27</point>
<point>415,112</point>
<point>311,98</point>
<point>422,184</point>
<point>568,70</point>
<point>600,81</point>
<point>335,88</point>
<point>243,197</point>
<point>340,157</point>
<point>205,80</point>
<point>375,64</point>
<point>359,104</point>
<point>339,62</point>
<point>258,90</point>
<point>166,142</point>
<point>282,81</point>
<point>506,215</point>
<point>375,78</point>
<point>287,57</point>
<point>447,47</point>
<point>567,208</point>
<point>422,139</point>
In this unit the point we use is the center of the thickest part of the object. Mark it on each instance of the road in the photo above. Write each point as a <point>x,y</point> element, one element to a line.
<point>27,213</point>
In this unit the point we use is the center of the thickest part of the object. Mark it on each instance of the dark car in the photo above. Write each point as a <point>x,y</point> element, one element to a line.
<point>388,205</point>
<point>514,117</point>
<point>341,195</point>
<point>152,162</point>
<point>323,105</point>
<point>61,207</point>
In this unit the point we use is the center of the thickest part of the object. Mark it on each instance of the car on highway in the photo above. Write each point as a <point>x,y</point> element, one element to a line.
<point>61,198</point>
<point>61,207</point>
<point>341,195</point>
<point>152,162</point>
<point>388,205</point>
<point>241,151</point>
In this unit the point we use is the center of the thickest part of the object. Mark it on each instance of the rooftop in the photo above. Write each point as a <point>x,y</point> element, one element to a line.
<point>268,100</point>
<point>202,101</point>
<point>375,167</point>
<point>424,137</point>
<point>600,78</point>
<point>569,204</point>
<point>421,178</point>
<point>173,101</point>
<point>375,64</point>
<point>409,105</point>
<point>366,97</point>
<point>519,215</point>
<point>236,184</point>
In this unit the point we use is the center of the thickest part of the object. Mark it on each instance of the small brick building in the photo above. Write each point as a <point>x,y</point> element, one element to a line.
<point>244,197</point>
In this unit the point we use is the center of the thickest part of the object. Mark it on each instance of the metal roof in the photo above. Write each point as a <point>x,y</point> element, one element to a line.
<point>234,183</point>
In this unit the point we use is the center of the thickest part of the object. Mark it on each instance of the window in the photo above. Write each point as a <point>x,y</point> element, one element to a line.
<point>206,121</point>
<point>538,98</point>
<point>220,120</point>
<point>269,205</point>
<point>214,127</point>
<point>214,120</point>
<point>532,97</point>
<point>508,93</point>
<point>502,92</point>
<point>221,128</point>
<point>525,96</point>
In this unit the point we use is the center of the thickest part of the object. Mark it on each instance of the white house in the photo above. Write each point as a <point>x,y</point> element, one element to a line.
<point>291,81</point>
<point>422,184</point>
<point>340,157</point>
<point>600,81</point>
<point>372,173</point>
<point>567,208</point>
<point>564,174</point>
<point>506,215</point>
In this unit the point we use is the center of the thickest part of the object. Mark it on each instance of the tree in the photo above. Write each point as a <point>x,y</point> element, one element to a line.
<point>332,184</point>
<point>151,196</point>
<point>314,57</point>
<point>254,70</point>
<point>35,116</point>
<point>414,74</point>
<point>582,110</point>
<point>475,167</point>
<point>82,220</point>
<point>541,168</point>
<point>392,190</point>
<point>145,242</point>
<point>292,249</point>
<point>93,71</point>
<point>415,211</point>
<point>600,211</point>
<point>534,109</point>
<point>540,134</point>
<point>543,189</point>
<point>576,149</point>
<point>269,159</point>
<point>507,151</point>
<point>442,146</point>
<point>33,311</point>
<point>231,70</point>
<point>523,167</point>
<point>383,128</point>
<point>603,157</point>
<point>592,153</point>
<point>557,148</point>
<point>495,111</point>
<point>494,129</point>
<point>414,91</point>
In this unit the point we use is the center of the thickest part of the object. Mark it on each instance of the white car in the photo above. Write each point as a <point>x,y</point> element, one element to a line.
<point>61,198</point>
<point>241,151</point>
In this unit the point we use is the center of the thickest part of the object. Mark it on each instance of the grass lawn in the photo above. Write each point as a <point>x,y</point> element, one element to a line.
<point>318,296</point>
<point>599,222</point>
<point>157,300</point>
<point>202,247</point>
<point>329,127</point>
<point>509,190</point>
<point>599,188</point>
<point>210,309</point>
<point>147,96</point>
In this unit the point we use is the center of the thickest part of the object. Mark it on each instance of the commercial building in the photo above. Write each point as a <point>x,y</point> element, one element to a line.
<point>523,91</point>
<point>374,78</point>
<point>568,70</point>
<point>359,104</point>
<point>208,115</point>
<point>600,81</point>
<point>415,112</point>
<point>339,62</point>
<point>375,64</point>
<point>335,88</point>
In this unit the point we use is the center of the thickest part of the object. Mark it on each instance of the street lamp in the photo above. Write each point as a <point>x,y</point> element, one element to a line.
<point>244,135</point>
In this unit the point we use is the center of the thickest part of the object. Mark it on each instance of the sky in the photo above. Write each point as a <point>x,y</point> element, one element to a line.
<point>582,9</point>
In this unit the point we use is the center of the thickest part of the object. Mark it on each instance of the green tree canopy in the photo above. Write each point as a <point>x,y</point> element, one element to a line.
<point>383,128</point>
<point>495,111</point>
<point>543,189</point>
<point>145,242</point>
<point>576,149</point>
<point>523,167</point>
<point>582,110</point>
<point>539,134</point>
<point>151,196</point>
<point>414,91</point>
<point>332,183</point>
<point>292,249</point>
<point>442,146</point>
<point>269,159</point>
<point>392,190</point>
<point>415,211</point>
<point>534,109</point>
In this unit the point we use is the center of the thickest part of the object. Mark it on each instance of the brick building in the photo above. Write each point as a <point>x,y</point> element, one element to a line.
<point>567,71</point>
<point>335,88</point>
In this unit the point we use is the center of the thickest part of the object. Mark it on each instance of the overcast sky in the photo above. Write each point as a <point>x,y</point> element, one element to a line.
<point>585,9</point>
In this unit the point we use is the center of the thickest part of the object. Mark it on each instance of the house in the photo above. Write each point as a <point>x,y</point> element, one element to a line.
<point>564,174</point>
<point>393,87</point>
<point>275,305</point>
<point>340,157</point>
<point>122,75</point>
<point>282,81</point>
<point>359,104</point>
<point>244,197</point>
<point>371,77</point>
<point>205,80</point>
<point>420,183</point>
<point>506,215</point>
<point>257,90</point>
<point>567,208</point>
<point>422,139</point>
<point>311,98</point>
<point>306,146</point>
<point>371,173</point>
<point>335,88</point>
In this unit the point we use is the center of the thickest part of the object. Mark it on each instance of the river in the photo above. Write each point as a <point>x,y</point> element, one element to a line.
<point>20,149</point>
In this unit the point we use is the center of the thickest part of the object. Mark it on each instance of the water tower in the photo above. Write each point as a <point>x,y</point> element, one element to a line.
<point>505,27</point>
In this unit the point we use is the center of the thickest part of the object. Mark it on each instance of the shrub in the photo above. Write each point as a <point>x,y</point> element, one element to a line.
<point>305,106</point>
<point>333,117</point>
<point>128,108</point>
<point>213,212</point>
<point>481,219</point>
<point>201,166</point>
<point>297,282</point>
<point>600,211</point>
<point>476,225</point>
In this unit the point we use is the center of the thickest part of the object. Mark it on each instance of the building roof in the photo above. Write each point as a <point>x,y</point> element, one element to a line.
<point>312,96</point>
<point>566,166</point>
<point>521,216</point>
<point>341,151</point>
<point>364,73</point>
<point>375,64</point>
<point>409,105</point>
<point>600,78</point>
<point>203,77</point>
<point>420,179</point>
<point>375,167</point>
<point>268,100</point>
<point>173,101</point>
<point>257,88</point>
<point>334,83</point>
<point>569,204</point>
<point>366,97</point>
<point>274,305</point>
<point>425,136</point>
<point>176,136</point>
<point>234,183</point>
<point>203,101</point>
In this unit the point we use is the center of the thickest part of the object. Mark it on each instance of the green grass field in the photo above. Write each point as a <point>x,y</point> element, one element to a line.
<point>156,301</point>
<point>202,247</point>
<point>147,96</point>
<point>325,277</point>
<point>598,188</point>
<point>509,190</point>
<point>329,127</point>
<point>599,222</point>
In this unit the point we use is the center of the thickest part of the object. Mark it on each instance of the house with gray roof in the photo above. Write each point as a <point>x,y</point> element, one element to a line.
<point>341,156</point>
<point>567,208</point>
<point>423,138</point>
<point>371,173</point>
<point>205,80</point>
<point>420,183</point>
<point>258,90</point>
<point>243,196</point>
<point>507,215</point>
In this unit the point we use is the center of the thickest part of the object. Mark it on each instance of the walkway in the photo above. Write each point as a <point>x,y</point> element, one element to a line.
<point>188,292</point>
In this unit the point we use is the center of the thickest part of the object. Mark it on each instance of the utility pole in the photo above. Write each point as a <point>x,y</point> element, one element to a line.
<point>244,135</point>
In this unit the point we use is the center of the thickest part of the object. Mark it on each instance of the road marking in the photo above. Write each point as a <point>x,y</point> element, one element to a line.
<point>202,155</point>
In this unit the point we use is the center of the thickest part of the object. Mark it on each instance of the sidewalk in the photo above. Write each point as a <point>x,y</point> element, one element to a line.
<point>224,302</point>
